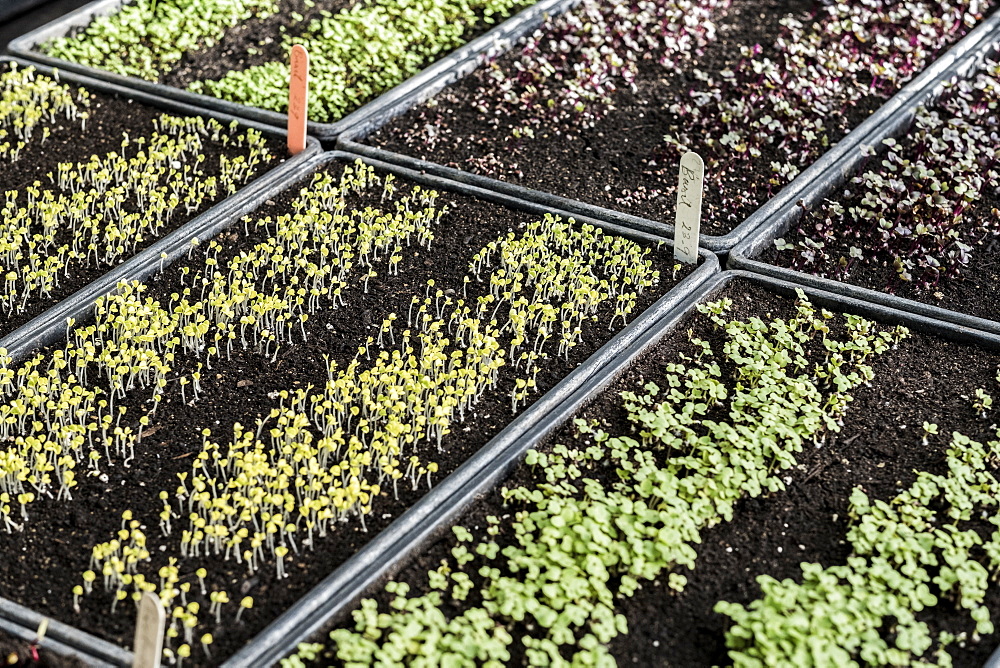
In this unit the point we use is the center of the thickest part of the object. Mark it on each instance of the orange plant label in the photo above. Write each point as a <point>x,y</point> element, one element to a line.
<point>298,99</point>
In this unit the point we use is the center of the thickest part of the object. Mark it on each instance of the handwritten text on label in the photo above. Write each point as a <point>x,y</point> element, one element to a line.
<point>687,227</point>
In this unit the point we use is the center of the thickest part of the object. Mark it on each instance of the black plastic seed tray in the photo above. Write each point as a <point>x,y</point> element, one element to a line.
<point>60,639</point>
<point>431,519</point>
<point>458,60</point>
<point>346,584</point>
<point>351,138</point>
<point>837,173</point>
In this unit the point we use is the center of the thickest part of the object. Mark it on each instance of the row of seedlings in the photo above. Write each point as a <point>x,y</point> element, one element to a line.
<point>665,523</point>
<point>88,179</point>
<point>229,433</point>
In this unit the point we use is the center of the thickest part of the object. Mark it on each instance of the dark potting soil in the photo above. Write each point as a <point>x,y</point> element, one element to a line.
<point>623,153</point>
<point>975,291</point>
<point>879,448</point>
<point>110,118</point>
<point>42,564</point>
<point>17,653</point>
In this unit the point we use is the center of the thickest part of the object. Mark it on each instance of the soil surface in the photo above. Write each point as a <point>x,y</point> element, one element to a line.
<point>879,448</point>
<point>42,564</point>
<point>975,291</point>
<point>110,118</point>
<point>620,163</point>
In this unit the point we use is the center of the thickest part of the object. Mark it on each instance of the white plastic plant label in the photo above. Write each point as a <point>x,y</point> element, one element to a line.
<point>149,632</point>
<point>687,227</point>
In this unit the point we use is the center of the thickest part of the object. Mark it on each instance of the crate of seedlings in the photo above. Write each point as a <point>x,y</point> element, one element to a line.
<point>95,182</point>
<point>771,476</point>
<point>762,90</point>
<point>250,426</point>
<point>909,219</point>
<point>233,55</point>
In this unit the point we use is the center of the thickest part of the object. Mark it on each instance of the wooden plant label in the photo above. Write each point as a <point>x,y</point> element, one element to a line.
<point>43,628</point>
<point>688,223</point>
<point>298,99</point>
<point>149,628</point>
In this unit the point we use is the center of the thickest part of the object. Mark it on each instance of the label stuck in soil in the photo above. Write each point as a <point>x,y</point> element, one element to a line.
<point>688,222</point>
<point>149,632</point>
<point>298,99</point>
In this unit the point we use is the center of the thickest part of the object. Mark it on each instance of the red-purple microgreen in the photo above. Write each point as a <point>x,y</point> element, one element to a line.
<point>566,73</point>
<point>567,70</point>
<point>913,208</point>
<point>777,106</point>
<point>757,123</point>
